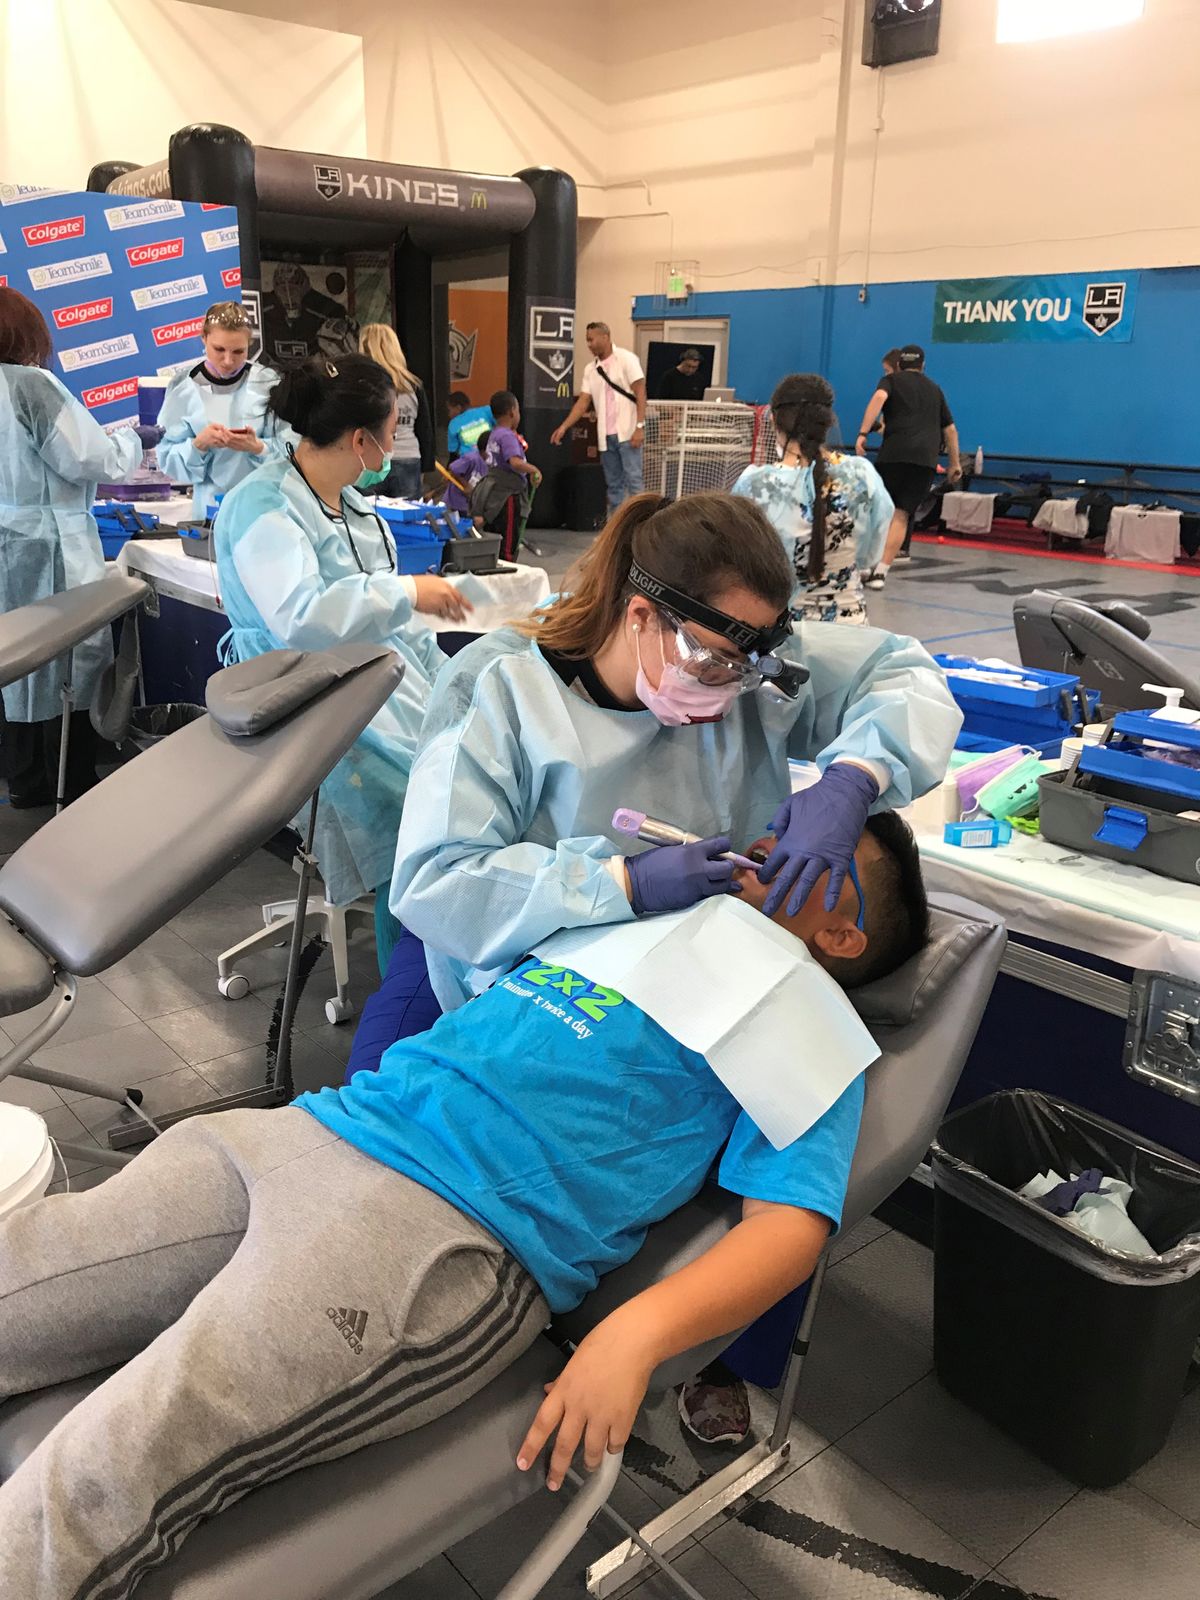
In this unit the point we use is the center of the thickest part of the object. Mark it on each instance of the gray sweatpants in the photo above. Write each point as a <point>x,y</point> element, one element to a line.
<point>277,1298</point>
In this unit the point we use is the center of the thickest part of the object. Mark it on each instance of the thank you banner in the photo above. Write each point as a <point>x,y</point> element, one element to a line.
<point>122,282</point>
<point>1080,306</point>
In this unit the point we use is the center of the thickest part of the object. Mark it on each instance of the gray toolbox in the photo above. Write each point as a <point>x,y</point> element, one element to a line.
<point>1122,800</point>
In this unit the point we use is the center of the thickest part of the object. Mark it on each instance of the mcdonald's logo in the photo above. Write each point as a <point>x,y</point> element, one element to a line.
<point>479,200</point>
<point>564,391</point>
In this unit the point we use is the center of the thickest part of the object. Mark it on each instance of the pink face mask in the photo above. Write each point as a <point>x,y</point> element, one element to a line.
<point>223,377</point>
<point>680,697</point>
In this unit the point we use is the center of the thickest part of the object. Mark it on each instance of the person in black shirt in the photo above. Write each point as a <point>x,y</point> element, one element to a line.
<point>683,382</point>
<point>917,426</point>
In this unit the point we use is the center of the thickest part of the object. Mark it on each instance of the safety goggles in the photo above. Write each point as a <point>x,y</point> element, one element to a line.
<point>757,645</point>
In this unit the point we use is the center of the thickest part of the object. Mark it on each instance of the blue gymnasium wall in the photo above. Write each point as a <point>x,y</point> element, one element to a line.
<point>1093,401</point>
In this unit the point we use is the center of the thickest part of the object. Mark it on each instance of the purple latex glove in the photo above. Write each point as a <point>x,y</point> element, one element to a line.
<point>818,831</point>
<point>671,877</point>
<point>148,433</point>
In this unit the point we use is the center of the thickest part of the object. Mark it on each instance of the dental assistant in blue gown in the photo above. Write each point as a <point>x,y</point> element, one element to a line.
<point>216,424</point>
<point>53,453</point>
<point>304,563</point>
<point>670,679</point>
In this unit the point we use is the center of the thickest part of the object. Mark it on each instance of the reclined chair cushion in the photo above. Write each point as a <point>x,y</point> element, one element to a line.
<point>254,695</point>
<point>26,977</point>
<point>906,994</point>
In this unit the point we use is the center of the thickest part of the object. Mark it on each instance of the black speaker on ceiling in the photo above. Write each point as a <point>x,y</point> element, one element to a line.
<point>900,30</point>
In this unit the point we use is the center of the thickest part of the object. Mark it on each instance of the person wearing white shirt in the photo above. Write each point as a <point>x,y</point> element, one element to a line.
<point>614,387</point>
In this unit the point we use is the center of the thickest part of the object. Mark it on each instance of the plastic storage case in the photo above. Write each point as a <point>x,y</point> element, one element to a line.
<point>1040,717</point>
<point>1077,1350</point>
<point>1126,806</point>
<point>195,538</point>
<point>117,521</point>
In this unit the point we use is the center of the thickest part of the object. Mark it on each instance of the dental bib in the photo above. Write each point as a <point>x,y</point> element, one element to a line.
<point>745,994</point>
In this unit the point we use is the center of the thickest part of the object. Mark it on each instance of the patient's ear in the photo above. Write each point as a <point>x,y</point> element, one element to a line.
<point>840,940</point>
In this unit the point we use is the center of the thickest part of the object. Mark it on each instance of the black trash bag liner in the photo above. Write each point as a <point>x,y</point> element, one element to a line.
<point>150,725</point>
<point>989,1150</point>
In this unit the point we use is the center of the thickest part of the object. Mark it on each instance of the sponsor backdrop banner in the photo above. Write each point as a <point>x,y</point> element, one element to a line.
<point>1092,306</point>
<point>122,282</point>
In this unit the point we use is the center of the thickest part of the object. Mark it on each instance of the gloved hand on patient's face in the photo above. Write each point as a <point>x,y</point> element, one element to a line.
<point>671,877</point>
<point>818,831</point>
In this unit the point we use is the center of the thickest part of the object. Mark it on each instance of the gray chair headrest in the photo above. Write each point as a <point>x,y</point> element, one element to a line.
<point>908,993</point>
<point>254,695</point>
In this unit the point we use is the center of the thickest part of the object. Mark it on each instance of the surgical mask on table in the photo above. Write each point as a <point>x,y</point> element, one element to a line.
<point>370,476</point>
<point>680,697</point>
<point>977,774</point>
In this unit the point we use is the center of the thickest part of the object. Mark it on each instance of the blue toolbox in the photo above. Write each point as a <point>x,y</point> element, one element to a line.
<point>1016,705</point>
<point>431,538</point>
<point>1133,797</point>
<point>117,521</point>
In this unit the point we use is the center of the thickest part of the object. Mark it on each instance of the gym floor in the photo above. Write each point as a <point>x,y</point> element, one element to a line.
<point>895,1490</point>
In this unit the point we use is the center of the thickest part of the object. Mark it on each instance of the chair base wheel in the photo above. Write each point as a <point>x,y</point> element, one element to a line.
<point>235,987</point>
<point>338,1010</point>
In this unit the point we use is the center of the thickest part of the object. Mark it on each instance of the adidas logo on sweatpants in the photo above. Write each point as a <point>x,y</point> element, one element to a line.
<point>351,1324</point>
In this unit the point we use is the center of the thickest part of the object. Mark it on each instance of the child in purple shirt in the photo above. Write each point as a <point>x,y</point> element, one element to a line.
<point>468,469</point>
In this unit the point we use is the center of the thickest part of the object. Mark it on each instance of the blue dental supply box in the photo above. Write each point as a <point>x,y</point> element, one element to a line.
<point>431,538</point>
<point>117,521</point>
<point>1124,803</point>
<point>1038,709</point>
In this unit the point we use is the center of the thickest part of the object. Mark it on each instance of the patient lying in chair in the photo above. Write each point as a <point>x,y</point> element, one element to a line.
<point>285,1286</point>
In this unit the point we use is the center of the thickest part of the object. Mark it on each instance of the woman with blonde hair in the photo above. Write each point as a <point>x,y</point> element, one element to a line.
<point>412,451</point>
<point>214,417</point>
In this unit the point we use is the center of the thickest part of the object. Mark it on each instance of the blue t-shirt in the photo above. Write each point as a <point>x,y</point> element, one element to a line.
<point>465,428</point>
<point>566,1121</point>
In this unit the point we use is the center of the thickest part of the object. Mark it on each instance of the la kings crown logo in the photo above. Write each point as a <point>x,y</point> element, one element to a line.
<point>328,181</point>
<point>1103,306</point>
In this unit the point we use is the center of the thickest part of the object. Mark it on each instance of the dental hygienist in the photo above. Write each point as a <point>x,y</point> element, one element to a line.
<point>305,563</point>
<point>215,421</point>
<point>670,679</point>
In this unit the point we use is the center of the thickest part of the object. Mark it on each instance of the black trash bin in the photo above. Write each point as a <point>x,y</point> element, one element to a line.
<point>1077,1350</point>
<point>150,725</point>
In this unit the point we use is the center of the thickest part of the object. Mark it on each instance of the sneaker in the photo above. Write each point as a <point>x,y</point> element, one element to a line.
<point>901,555</point>
<point>715,1413</point>
<point>875,580</point>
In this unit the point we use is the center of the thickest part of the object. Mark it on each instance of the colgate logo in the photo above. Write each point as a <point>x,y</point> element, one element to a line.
<point>171,332</point>
<point>88,311</point>
<point>52,232</point>
<point>3,283</point>
<point>107,393</point>
<point>231,278</point>
<point>148,255</point>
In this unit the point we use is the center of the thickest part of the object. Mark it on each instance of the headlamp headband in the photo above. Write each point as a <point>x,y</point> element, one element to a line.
<point>757,643</point>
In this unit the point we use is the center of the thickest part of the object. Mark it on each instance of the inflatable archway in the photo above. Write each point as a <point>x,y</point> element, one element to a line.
<point>291,199</point>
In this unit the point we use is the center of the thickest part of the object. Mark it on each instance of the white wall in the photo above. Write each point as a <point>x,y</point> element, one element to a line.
<point>742,140</point>
<point>83,81</point>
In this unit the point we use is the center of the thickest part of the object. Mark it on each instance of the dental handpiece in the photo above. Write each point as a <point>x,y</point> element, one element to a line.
<point>640,826</point>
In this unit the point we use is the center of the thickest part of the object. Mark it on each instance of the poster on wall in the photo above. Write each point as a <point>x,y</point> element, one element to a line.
<point>478,342</point>
<point>1079,306</point>
<point>305,311</point>
<point>123,284</point>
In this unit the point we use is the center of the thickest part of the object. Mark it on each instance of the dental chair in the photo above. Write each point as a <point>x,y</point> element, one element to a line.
<point>344,1530</point>
<point>1105,645</point>
<point>98,879</point>
<point>48,630</point>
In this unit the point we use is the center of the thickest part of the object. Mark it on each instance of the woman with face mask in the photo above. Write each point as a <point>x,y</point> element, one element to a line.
<point>669,678</point>
<point>216,426</point>
<point>305,563</point>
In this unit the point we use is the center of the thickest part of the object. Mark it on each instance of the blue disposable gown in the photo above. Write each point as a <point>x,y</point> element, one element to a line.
<point>52,455</point>
<point>190,404</point>
<point>289,579</point>
<point>509,816</point>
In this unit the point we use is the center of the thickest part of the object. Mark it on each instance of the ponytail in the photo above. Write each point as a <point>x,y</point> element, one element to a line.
<point>578,624</point>
<point>802,407</point>
<point>701,545</point>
